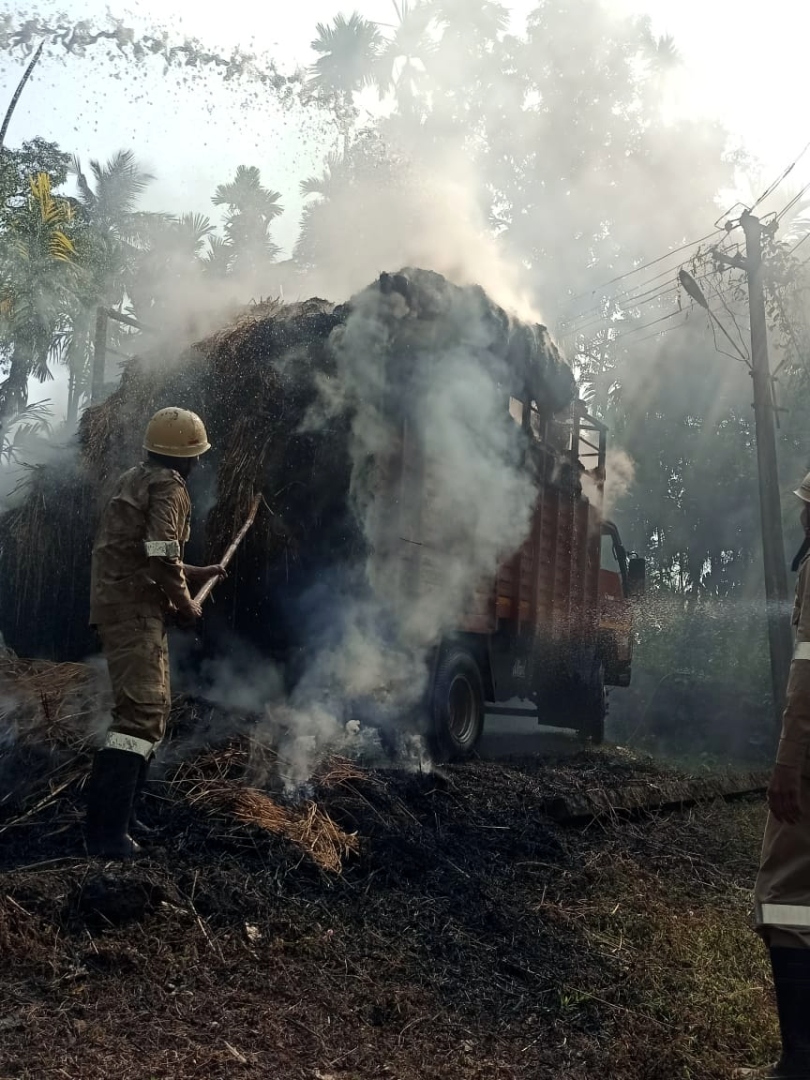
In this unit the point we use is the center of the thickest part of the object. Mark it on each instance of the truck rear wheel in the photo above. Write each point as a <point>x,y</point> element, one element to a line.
<point>457,706</point>
<point>593,707</point>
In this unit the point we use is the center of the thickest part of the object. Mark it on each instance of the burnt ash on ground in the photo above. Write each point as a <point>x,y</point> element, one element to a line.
<point>470,937</point>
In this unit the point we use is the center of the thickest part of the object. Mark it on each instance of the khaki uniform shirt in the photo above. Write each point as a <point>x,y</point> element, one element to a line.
<point>794,745</point>
<point>137,566</point>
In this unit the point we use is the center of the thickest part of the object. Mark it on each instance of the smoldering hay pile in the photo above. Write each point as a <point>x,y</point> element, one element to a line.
<point>48,712</point>
<point>292,397</point>
<point>298,401</point>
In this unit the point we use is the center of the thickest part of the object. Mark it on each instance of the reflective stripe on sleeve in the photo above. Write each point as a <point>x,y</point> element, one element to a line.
<point>792,915</point>
<point>162,549</point>
<point>116,741</point>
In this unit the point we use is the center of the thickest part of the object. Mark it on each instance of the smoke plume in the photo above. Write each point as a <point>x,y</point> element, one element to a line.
<point>471,510</point>
<point>619,475</point>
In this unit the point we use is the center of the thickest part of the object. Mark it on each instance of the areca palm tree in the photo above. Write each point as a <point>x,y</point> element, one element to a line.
<point>251,208</point>
<point>39,288</point>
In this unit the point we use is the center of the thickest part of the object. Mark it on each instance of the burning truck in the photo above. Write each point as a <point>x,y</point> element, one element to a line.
<point>430,544</point>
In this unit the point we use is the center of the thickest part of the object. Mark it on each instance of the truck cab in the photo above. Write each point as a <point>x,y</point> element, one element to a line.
<point>556,627</point>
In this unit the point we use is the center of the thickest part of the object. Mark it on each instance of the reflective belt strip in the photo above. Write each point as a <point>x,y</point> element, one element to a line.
<point>784,915</point>
<point>802,651</point>
<point>116,741</point>
<point>162,549</point>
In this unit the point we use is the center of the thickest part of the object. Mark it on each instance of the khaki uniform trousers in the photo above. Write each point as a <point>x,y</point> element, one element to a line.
<point>782,890</point>
<point>137,655</point>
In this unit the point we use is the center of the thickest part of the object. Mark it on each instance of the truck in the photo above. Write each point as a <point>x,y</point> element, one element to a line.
<point>554,628</point>
<point>541,631</point>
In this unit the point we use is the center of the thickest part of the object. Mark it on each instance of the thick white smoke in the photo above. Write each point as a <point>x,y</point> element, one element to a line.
<point>469,509</point>
<point>620,473</point>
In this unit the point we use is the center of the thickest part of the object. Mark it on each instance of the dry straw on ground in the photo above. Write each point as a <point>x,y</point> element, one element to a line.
<point>51,706</point>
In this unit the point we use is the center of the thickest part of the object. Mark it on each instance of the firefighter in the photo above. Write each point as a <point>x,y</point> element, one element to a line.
<point>138,583</point>
<point>782,891</point>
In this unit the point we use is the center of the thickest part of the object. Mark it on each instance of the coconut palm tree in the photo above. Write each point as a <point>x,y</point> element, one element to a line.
<point>250,210</point>
<point>114,227</point>
<point>111,233</point>
<point>40,283</point>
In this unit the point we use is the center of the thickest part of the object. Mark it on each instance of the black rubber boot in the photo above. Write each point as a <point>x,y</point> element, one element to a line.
<point>135,822</point>
<point>110,796</point>
<point>791,977</point>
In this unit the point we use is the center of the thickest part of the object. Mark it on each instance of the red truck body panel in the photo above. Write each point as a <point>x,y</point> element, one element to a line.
<point>547,594</point>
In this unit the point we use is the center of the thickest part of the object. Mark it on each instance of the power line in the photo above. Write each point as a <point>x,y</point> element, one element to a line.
<point>792,203</point>
<point>647,265</point>
<point>658,333</point>
<point>619,295</point>
<point>636,301</point>
<point>646,326</point>
<point>769,190</point>
<point>657,294</point>
<point>625,299</point>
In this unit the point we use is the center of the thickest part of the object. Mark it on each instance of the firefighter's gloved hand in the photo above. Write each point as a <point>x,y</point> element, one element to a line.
<point>785,794</point>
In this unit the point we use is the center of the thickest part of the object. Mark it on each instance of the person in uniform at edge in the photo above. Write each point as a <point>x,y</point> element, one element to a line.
<point>138,581</point>
<point>782,891</point>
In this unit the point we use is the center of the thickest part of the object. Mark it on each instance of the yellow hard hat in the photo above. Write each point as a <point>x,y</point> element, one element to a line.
<point>176,433</point>
<point>803,490</point>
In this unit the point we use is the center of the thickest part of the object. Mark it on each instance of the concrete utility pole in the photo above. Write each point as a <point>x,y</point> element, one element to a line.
<point>773,548</point>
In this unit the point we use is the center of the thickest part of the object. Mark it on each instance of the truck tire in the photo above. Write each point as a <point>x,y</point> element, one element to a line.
<point>593,707</point>
<point>457,706</point>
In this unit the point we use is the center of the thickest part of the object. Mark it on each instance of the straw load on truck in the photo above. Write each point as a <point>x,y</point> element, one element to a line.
<point>350,420</point>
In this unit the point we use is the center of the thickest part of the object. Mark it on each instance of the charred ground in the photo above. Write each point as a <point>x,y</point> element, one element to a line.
<point>470,936</point>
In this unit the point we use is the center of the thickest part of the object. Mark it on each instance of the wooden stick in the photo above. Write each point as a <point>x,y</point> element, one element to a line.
<point>207,588</point>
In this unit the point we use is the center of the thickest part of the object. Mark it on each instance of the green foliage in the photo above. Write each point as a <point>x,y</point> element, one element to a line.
<point>347,51</point>
<point>18,166</point>
<point>33,421</point>
<point>250,209</point>
<point>39,283</point>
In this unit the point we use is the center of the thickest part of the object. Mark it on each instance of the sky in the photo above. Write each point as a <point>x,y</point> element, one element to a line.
<point>192,133</point>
